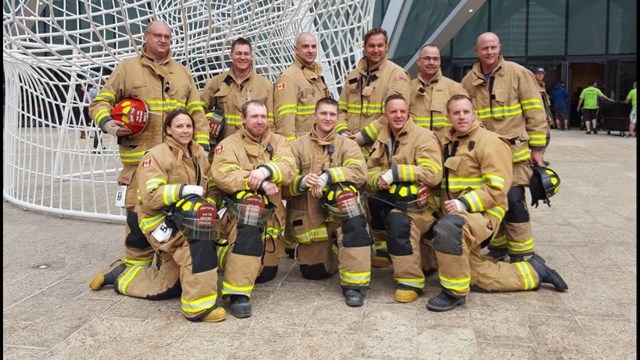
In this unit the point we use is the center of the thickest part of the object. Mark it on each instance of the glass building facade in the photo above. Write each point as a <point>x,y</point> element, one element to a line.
<point>577,41</point>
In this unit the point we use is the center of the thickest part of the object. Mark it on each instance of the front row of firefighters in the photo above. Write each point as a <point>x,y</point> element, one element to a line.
<point>455,191</point>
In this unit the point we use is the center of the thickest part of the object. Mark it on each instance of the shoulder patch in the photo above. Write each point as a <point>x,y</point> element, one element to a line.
<point>219,149</point>
<point>280,86</point>
<point>146,162</point>
<point>403,77</point>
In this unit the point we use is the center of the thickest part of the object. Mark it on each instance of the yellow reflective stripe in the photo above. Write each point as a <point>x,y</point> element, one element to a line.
<point>229,289</point>
<point>195,105</point>
<point>337,175</point>
<point>274,232</point>
<point>498,241</point>
<point>498,212</point>
<point>460,284</point>
<point>171,195</point>
<point>538,139</point>
<point>201,138</point>
<point>233,119</point>
<point>138,262</point>
<point>101,115</point>
<point>461,183</point>
<point>151,222</point>
<point>418,283</point>
<point>341,126</point>
<point>371,130</point>
<point>106,96</point>
<point>526,274</point>
<point>494,180</point>
<point>276,174</point>
<point>532,103</point>
<point>427,122</point>
<point>291,137</point>
<point>520,246</point>
<point>286,109</point>
<point>406,172</point>
<point>355,278</point>
<point>499,111</point>
<point>229,167</point>
<point>294,185</point>
<point>521,155</point>
<point>474,201</point>
<point>132,157</point>
<point>433,165</point>
<point>130,273</point>
<point>352,162</point>
<point>199,304</point>
<point>222,254</point>
<point>319,233</point>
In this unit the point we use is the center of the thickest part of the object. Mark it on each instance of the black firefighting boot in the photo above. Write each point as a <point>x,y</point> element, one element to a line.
<point>353,297</point>
<point>496,254</point>
<point>546,275</point>
<point>240,306</point>
<point>268,273</point>
<point>445,302</point>
<point>107,277</point>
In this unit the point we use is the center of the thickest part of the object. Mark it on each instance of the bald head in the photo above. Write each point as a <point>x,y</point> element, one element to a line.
<point>306,48</point>
<point>158,25</point>
<point>488,50</point>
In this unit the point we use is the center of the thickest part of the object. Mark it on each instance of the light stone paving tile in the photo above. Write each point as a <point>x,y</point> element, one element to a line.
<point>561,337</point>
<point>327,344</point>
<point>501,351</point>
<point>290,309</point>
<point>599,330</point>
<point>23,353</point>
<point>267,344</point>
<point>336,316</point>
<point>446,343</point>
<point>543,301</point>
<point>500,325</point>
<point>391,331</point>
<point>11,327</point>
<point>73,315</point>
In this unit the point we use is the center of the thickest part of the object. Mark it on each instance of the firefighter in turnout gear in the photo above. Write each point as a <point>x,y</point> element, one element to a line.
<point>253,159</point>
<point>477,176</point>
<point>297,90</point>
<point>331,167</point>
<point>507,101</point>
<point>362,101</point>
<point>172,177</point>
<point>405,161</point>
<point>164,85</point>
<point>231,89</point>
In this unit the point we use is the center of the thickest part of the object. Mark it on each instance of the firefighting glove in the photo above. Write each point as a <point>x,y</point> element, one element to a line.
<point>191,189</point>
<point>387,177</point>
<point>110,127</point>
<point>460,205</point>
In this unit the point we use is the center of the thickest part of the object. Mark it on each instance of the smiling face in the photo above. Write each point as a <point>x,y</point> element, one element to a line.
<point>460,114</point>
<point>488,51</point>
<point>429,62</point>
<point>181,129</point>
<point>376,49</point>
<point>397,113</point>
<point>241,58</point>
<point>306,48</point>
<point>326,117</point>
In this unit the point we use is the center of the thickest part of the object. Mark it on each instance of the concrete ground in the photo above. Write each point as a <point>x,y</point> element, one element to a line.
<point>588,236</point>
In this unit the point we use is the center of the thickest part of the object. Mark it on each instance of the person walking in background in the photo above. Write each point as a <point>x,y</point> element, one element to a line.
<point>560,104</point>
<point>80,112</point>
<point>539,74</point>
<point>631,97</point>
<point>589,104</point>
<point>89,95</point>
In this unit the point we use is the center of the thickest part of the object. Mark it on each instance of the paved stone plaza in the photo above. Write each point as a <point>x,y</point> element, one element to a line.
<point>588,236</point>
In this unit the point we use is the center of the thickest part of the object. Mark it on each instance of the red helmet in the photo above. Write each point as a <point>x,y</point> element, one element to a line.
<point>133,113</point>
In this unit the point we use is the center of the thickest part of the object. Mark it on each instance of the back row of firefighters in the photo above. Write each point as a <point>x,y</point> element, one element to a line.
<point>442,172</point>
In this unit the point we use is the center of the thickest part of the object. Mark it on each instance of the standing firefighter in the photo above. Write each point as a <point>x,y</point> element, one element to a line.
<point>250,167</point>
<point>324,209</point>
<point>151,84</point>
<point>405,161</point>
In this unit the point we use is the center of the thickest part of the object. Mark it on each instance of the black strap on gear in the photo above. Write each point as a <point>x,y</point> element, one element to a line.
<point>228,80</point>
<point>447,154</point>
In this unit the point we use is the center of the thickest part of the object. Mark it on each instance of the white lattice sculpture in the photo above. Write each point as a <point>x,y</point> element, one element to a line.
<point>50,46</point>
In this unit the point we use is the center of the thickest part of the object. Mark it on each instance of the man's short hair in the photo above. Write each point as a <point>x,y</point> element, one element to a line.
<point>246,105</point>
<point>394,97</point>
<point>326,101</point>
<point>376,31</point>
<point>240,41</point>
<point>456,98</point>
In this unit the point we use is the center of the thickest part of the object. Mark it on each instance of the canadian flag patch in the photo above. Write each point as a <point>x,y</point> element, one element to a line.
<point>219,149</point>
<point>280,86</point>
<point>146,162</point>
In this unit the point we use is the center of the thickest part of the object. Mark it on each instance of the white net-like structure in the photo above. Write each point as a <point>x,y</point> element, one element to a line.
<point>49,47</point>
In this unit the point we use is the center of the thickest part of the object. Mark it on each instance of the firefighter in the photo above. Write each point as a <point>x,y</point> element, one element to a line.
<point>227,92</point>
<point>324,209</point>
<point>405,161</point>
<point>361,101</point>
<point>298,88</point>
<point>164,85</point>
<point>250,167</point>
<point>477,176</point>
<point>507,101</point>
<point>174,175</point>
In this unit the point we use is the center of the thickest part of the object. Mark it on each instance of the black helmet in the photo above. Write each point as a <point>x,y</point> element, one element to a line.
<point>195,217</point>
<point>342,200</point>
<point>543,185</point>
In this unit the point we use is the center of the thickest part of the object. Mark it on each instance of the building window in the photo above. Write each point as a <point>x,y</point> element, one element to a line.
<point>546,27</point>
<point>587,27</point>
